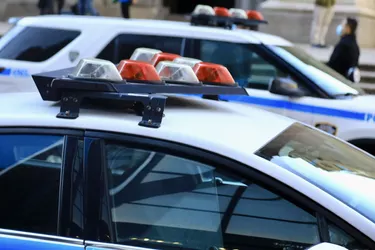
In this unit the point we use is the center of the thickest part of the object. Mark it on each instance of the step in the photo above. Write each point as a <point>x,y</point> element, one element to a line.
<point>368,76</point>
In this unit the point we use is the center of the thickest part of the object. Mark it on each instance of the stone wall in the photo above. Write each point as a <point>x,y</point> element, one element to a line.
<point>143,9</point>
<point>291,19</point>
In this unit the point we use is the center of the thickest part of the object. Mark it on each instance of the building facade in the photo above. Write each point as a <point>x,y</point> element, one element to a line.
<point>290,19</point>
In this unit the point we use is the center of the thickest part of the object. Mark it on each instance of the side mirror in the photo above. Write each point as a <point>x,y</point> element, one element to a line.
<point>354,74</point>
<point>285,86</point>
<point>327,246</point>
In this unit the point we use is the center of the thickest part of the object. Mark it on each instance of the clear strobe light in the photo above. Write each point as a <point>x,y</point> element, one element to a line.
<point>201,9</point>
<point>176,72</point>
<point>238,13</point>
<point>187,61</point>
<point>93,68</point>
<point>144,54</point>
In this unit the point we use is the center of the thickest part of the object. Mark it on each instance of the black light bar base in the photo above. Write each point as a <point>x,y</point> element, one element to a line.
<point>147,99</point>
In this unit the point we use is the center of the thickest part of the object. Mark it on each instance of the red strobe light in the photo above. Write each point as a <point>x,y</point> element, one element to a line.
<point>137,70</point>
<point>213,73</point>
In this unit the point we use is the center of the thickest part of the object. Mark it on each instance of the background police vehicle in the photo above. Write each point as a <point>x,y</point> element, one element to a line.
<point>98,158</point>
<point>302,87</point>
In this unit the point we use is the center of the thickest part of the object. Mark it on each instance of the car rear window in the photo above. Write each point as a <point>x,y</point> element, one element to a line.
<point>36,44</point>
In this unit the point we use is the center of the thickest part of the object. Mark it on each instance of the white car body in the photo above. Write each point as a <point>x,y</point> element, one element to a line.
<point>352,118</point>
<point>234,131</point>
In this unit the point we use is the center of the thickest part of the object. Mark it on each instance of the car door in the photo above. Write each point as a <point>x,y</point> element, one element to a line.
<point>157,198</point>
<point>254,71</point>
<point>35,189</point>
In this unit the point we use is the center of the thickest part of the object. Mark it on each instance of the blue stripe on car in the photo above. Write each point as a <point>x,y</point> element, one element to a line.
<point>281,104</point>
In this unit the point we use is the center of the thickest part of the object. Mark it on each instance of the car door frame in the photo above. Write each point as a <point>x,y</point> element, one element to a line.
<point>220,162</point>
<point>192,47</point>
<point>121,34</point>
<point>63,237</point>
<point>295,107</point>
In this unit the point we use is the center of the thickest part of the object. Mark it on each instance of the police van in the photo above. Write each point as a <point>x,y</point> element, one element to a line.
<point>278,76</point>
<point>112,158</point>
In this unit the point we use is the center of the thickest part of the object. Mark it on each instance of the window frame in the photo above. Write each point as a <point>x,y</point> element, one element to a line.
<point>71,137</point>
<point>192,49</point>
<point>120,34</point>
<point>220,162</point>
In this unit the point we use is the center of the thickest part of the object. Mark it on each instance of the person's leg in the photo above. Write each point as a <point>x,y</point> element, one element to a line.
<point>82,7</point>
<point>316,25</point>
<point>49,7</point>
<point>125,10</point>
<point>90,8</point>
<point>60,5</point>
<point>328,16</point>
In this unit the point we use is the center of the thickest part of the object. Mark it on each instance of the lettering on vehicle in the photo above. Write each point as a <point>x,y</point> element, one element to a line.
<point>327,127</point>
<point>369,117</point>
<point>20,73</point>
<point>15,72</point>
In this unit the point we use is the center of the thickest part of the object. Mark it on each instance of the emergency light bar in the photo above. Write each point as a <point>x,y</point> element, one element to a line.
<point>204,15</point>
<point>136,83</point>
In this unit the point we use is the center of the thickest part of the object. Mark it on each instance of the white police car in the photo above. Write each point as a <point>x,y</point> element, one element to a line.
<point>116,164</point>
<point>323,99</point>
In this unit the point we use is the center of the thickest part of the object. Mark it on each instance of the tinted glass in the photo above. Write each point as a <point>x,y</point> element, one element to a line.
<point>341,238</point>
<point>331,164</point>
<point>35,44</point>
<point>166,202</point>
<point>325,77</point>
<point>30,169</point>
<point>247,67</point>
<point>123,46</point>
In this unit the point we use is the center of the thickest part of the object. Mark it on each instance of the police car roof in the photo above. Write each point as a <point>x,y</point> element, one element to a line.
<point>189,120</point>
<point>161,27</point>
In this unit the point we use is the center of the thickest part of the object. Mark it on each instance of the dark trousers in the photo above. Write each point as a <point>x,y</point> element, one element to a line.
<point>60,5</point>
<point>82,7</point>
<point>47,6</point>
<point>125,10</point>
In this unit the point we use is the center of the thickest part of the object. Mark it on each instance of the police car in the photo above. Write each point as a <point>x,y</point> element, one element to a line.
<point>302,87</point>
<point>120,157</point>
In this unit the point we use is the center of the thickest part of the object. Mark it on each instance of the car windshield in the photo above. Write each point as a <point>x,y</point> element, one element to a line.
<point>37,48</point>
<point>326,78</point>
<point>327,162</point>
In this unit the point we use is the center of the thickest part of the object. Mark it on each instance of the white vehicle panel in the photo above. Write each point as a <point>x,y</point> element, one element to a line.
<point>205,124</point>
<point>111,26</point>
<point>353,118</point>
<point>207,120</point>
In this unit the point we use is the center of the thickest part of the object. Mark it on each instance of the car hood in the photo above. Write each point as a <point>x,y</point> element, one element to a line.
<point>361,103</point>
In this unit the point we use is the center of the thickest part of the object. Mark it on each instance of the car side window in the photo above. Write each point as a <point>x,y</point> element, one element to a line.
<point>166,202</point>
<point>341,238</point>
<point>123,46</point>
<point>37,48</point>
<point>30,170</point>
<point>247,66</point>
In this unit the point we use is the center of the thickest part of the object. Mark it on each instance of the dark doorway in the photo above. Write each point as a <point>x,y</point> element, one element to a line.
<point>187,6</point>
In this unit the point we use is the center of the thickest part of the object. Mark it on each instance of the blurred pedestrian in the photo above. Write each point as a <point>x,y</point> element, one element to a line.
<point>125,7</point>
<point>87,6</point>
<point>45,7</point>
<point>322,18</point>
<point>345,56</point>
<point>60,6</point>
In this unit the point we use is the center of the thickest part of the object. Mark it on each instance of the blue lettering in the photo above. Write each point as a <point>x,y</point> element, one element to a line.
<point>20,72</point>
<point>370,117</point>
